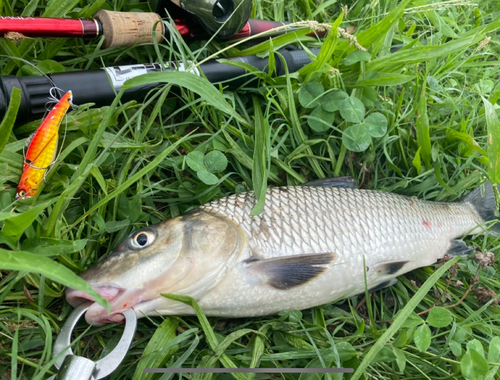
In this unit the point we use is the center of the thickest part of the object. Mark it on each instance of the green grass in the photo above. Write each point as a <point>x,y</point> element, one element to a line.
<point>131,164</point>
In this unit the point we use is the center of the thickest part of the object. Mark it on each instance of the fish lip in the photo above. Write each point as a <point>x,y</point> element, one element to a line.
<point>119,298</point>
<point>109,291</point>
<point>97,315</point>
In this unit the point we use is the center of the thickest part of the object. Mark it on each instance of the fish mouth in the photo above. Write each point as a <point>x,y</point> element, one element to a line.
<point>119,298</point>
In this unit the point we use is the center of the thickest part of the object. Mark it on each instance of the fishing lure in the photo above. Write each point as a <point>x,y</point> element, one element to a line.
<point>41,149</point>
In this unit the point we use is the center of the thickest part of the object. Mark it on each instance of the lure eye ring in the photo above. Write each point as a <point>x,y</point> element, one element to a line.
<point>21,194</point>
<point>142,239</point>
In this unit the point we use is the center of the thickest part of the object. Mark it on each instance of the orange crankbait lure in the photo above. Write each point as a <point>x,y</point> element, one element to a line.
<point>42,147</point>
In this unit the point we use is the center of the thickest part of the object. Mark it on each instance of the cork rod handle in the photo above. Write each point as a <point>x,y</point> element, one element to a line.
<point>129,28</point>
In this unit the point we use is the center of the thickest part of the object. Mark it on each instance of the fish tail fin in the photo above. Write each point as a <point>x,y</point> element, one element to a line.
<point>483,200</point>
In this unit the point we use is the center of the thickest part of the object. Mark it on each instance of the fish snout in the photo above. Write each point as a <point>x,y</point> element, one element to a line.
<point>97,315</point>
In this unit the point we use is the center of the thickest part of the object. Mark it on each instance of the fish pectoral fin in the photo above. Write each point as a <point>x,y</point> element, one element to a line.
<point>387,268</point>
<point>459,248</point>
<point>342,182</point>
<point>286,272</point>
<point>383,285</point>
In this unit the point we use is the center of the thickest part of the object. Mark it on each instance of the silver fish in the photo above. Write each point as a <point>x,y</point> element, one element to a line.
<point>310,246</point>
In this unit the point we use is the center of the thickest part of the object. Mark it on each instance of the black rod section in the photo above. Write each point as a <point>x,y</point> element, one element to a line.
<point>100,86</point>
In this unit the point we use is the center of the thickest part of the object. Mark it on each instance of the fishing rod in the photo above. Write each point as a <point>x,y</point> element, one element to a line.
<point>223,18</point>
<point>120,29</point>
<point>193,19</point>
<point>100,86</point>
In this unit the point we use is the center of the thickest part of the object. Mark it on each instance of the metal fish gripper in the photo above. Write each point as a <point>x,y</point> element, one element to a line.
<point>75,367</point>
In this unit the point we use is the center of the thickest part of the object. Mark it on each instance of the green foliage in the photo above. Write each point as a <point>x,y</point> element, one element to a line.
<point>473,365</point>
<point>9,118</point>
<point>206,166</point>
<point>26,261</point>
<point>160,348</point>
<point>15,224</point>
<point>352,110</point>
<point>439,317</point>
<point>493,147</point>
<point>357,137</point>
<point>310,94</point>
<point>422,337</point>
<point>261,161</point>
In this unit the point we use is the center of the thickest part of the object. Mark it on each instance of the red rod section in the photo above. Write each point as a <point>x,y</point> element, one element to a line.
<point>49,27</point>
<point>254,27</point>
<point>251,28</point>
<point>189,31</point>
<point>91,28</point>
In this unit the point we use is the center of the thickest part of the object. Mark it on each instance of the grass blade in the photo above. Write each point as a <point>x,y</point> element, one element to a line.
<point>14,226</point>
<point>137,176</point>
<point>81,173</point>
<point>423,135</point>
<point>493,147</point>
<point>192,82</point>
<point>27,261</point>
<point>183,358</point>
<point>367,37</point>
<point>15,345</point>
<point>10,117</point>
<point>261,159</point>
<point>401,318</point>
<point>155,354</point>
<point>207,329</point>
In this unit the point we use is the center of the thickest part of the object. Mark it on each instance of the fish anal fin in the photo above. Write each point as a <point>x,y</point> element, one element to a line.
<point>342,182</point>
<point>286,272</point>
<point>459,248</point>
<point>387,268</point>
<point>383,285</point>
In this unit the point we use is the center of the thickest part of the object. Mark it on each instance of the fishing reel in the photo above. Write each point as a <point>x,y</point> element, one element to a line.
<point>222,18</point>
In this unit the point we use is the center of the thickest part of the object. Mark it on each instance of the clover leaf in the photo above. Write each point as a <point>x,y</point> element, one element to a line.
<point>206,165</point>
<point>310,94</point>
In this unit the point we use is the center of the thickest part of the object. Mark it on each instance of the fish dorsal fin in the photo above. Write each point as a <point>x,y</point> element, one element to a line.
<point>286,272</point>
<point>342,182</point>
<point>387,268</point>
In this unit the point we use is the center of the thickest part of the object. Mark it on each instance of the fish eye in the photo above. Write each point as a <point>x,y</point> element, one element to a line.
<point>142,239</point>
<point>21,194</point>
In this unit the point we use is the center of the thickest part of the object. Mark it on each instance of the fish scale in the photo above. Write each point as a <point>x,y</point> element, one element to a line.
<point>309,246</point>
<point>335,207</point>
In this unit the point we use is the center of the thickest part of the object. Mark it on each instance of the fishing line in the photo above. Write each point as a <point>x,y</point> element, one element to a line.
<point>73,107</point>
<point>32,65</point>
<point>54,86</point>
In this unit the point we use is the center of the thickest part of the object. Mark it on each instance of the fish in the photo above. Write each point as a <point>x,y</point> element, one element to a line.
<point>42,149</point>
<point>311,245</point>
